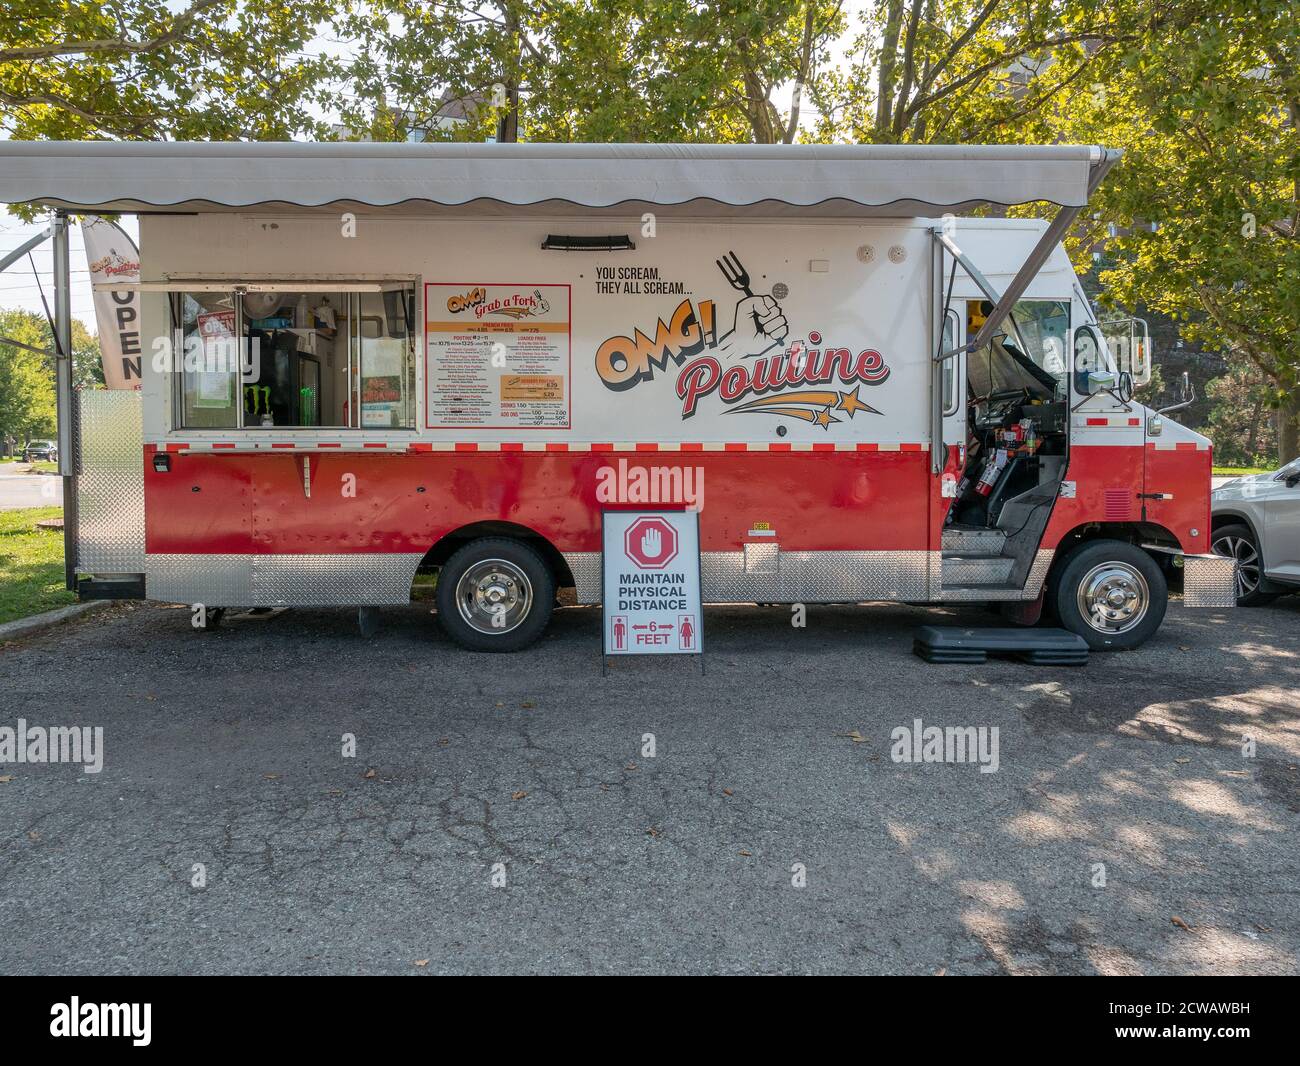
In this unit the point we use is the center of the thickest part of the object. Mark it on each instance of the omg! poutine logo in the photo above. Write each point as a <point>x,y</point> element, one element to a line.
<point>746,367</point>
<point>516,305</point>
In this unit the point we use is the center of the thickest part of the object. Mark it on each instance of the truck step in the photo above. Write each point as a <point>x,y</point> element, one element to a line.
<point>974,541</point>
<point>1041,647</point>
<point>976,570</point>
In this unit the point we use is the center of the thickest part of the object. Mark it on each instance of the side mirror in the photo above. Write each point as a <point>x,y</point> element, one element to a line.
<point>1101,380</point>
<point>1125,388</point>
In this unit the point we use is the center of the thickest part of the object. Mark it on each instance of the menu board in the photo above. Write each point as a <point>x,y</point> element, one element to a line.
<point>497,356</point>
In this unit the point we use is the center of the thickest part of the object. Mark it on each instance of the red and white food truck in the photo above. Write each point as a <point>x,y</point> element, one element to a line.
<point>452,358</point>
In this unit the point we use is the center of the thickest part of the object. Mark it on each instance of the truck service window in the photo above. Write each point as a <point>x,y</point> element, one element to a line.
<point>207,324</point>
<point>307,358</point>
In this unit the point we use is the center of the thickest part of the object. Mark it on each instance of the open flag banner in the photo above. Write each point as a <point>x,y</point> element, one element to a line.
<point>112,256</point>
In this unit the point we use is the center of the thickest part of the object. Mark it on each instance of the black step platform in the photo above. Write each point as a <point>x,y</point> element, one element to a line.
<point>1041,647</point>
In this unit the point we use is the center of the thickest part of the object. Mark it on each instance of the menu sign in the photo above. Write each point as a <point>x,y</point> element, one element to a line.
<point>497,356</point>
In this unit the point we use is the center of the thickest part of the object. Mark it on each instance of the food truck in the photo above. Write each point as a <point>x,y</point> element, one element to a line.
<point>361,363</point>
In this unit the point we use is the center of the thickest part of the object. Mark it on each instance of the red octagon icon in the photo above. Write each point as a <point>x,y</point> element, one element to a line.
<point>651,543</point>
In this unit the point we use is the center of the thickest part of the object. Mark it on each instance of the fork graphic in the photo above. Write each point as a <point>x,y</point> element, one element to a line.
<point>738,278</point>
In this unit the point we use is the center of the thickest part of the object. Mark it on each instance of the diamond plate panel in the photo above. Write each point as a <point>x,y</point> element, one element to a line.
<point>1033,585</point>
<point>800,577</point>
<point>334,580</point>
<point>217,580</point>
<point>110,482</point>
<point>373,580</point>
<point>762,558</point>
<point>585,567</point>
<point>1209,581</point>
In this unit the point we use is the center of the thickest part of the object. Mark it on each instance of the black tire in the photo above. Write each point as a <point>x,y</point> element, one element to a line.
<point>1237,541</point>
<point>510,568</point>
<point>1098,569</point>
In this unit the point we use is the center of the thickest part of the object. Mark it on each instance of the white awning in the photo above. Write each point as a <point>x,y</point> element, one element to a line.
<point>779,180</point>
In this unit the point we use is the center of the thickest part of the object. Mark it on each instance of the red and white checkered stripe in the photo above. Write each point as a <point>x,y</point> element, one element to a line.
<point>537,446</point>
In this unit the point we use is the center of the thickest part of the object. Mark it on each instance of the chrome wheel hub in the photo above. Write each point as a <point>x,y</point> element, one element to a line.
<point>1240,549</point>
<point>494,596</point>
<point>1113,597</point>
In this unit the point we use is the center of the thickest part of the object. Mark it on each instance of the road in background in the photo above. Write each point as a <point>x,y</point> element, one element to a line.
<point>29,490</point>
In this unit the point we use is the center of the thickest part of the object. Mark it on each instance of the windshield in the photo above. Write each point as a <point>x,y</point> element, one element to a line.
<point>1044,329</point>
<point>1028,354</point>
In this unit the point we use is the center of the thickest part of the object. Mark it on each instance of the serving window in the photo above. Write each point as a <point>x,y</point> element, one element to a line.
<point>254,357</point>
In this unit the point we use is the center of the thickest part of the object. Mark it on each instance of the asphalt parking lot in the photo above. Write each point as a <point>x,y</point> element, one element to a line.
<point>225,749</point>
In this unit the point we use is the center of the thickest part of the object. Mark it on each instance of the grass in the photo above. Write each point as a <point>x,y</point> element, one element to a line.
<point>1240,471</point>
<point>31,564</point>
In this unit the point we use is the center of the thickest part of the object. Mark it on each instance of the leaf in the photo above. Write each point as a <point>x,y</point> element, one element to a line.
<point>727,792</point>
<point>854,736</point>
<point>369,774</point>
<point>653,832</point>
<point>1180,923</point>
<point>421,962</point>
<point>518,795</point>
<point>6,779</point>
<point>747,854</point>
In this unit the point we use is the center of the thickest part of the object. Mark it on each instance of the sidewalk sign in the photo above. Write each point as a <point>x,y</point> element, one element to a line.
<point>650,579</point>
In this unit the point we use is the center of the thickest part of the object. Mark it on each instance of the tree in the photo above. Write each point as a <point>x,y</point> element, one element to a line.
<point>1207,199</point>
<point>975,71</point>
<point>588,70</point>
<point>27,403</point>
<point>1243,432</point>
<point>142,70</point>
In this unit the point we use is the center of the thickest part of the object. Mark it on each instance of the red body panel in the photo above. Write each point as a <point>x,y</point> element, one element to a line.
<point>1182,473</point>
<point>1111,480</point>
<point>255,503</point>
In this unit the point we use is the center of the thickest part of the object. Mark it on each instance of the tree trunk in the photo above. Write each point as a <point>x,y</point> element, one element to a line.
<point>888,61</point>
<point>1288,427</point>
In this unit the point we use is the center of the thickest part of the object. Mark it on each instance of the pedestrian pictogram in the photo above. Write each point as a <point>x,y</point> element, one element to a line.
<point>686,632</point>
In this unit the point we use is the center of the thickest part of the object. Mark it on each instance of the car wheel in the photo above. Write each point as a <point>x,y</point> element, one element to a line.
<point>495,594</point>
<point>1111,593</point>
<point>1238,542</point>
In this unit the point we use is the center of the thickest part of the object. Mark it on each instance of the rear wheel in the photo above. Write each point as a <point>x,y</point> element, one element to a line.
<point>1111,593</point>
<point>495,594</point>
<point>1238,542</point>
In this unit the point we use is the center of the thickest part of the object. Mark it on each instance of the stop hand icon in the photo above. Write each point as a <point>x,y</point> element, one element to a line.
<point>651,543</point>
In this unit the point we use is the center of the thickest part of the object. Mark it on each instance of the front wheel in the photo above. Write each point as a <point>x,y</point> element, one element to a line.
<point>1238,542</point>
<point>1111,593</point>
<point>495,594</point>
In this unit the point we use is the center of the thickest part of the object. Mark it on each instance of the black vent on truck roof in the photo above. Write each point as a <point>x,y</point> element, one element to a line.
<point>557,243</point>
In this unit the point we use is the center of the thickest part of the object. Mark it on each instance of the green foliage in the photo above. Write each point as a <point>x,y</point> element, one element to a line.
<point>585,70</point>
<point>1207,112</point>
<point>31,564</point>
<point>27,405</point>
<point>148,70</point>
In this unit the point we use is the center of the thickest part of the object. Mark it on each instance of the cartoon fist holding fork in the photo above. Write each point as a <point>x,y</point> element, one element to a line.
<point>760,323</point>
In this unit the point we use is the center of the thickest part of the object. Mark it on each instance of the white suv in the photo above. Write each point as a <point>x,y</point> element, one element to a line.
<point>1256,520</point>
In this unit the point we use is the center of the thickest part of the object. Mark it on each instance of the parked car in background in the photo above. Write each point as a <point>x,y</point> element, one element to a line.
<point>41,451</point>
<point>1256,520</point>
